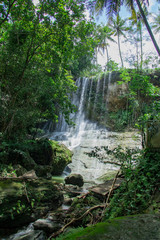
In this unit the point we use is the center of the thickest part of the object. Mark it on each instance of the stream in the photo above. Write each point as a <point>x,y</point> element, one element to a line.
<point>82,139</point>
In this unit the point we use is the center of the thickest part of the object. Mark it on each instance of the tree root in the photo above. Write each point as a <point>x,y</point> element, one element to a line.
<point>74,220</point>
<point>106,204</point>
<point>109,194</point>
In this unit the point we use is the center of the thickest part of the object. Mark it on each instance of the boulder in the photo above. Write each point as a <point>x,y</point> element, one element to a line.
<point>61,157</point>
<point>45,156</point>
<point>22,202</point>
<point>30,235</point>
<point>143,227</point>
<point>29,175</point>
<point>74,179</point>
<point>46,225</point>
<point>50,157</point>
<point>19,170</point>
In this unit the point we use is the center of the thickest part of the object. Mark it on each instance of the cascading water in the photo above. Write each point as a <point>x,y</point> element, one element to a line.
<point>91,100</point>
<point>97,91</point>
<point>71,136</point>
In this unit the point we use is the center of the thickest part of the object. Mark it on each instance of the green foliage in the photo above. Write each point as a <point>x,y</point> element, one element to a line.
<point>87,201</point>
<point>7,171</point>
<point>127,158</point>
<point>41,49</point>
<point>69,234</point>
<point>120,120</point>
<point>135,193</point>
<point>111,65</point>
<point>18,209</point>
<point>141,178</point>
<point>143,98</point>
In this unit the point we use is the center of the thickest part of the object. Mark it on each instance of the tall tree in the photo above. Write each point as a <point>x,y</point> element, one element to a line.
<point>137,22</point>
<point>105,34</point>
<point>112,7</point>
<point>119,28</point>
<point>36,48</point>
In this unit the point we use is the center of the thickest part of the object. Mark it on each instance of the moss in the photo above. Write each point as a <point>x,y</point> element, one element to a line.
<point>88,201</point>
<point>19,200</point>
<point>108,176</point>
<point>61,157</point>
<point>46,157</point>
<point>142,227</point>
<point>41,151</point>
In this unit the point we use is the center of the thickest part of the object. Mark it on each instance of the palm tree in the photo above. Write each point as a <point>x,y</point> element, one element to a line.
<point>156,23</point>
<point>112,7</point>
<point>138,23</point>
<point>119,28</point>
<point>104,35</point>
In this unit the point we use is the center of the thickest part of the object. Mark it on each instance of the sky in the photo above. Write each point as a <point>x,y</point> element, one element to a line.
<point>127,48</point>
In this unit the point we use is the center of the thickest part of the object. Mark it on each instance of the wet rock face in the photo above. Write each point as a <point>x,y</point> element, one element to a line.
<point>74,179</point>
<point>22,202</point>
<point>115,98</point>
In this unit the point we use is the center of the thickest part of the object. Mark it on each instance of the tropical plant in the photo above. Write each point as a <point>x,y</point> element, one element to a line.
<point>156,23</point>
<point>41,49</point>
<point>112,7</point>
<point>137,34</point>
<point>104,35</point>
<point>119,28</point>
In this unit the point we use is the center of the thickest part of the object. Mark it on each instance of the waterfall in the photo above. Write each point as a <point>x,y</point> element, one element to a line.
<point>87,132</point>
<point>90,92</point>
<point>71,135</point>
<point>104,85</point>
<point>108,90</point>
<point>97,91</point>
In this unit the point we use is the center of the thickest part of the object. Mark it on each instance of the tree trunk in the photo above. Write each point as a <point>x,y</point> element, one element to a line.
<point>120,49</point>
<point>148,27</point>
<point>141,41</point>
<point>107,56</point>
<point>137,55</point>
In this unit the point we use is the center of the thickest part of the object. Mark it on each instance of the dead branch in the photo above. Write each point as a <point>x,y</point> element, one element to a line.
<point>83,196</point>
<point>91,221</point>
<point>110,162</point>
<point>74,220</point>
<point>109,193</point>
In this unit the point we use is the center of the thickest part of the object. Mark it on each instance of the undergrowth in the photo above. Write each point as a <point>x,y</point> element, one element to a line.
<point>135,193</point>
<point>141,181</point>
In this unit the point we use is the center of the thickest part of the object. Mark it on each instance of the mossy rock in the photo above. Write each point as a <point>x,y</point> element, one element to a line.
<point>45,156</point>
<point>22,202</point>
<point>61,157</point>
<point>108,176</point>
<point>143,227</point>
<point>50,157</point>
<point>74,179</point>
<point>41,151</point>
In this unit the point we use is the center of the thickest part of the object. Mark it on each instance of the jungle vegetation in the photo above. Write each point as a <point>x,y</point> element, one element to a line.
<point>44,47</point>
